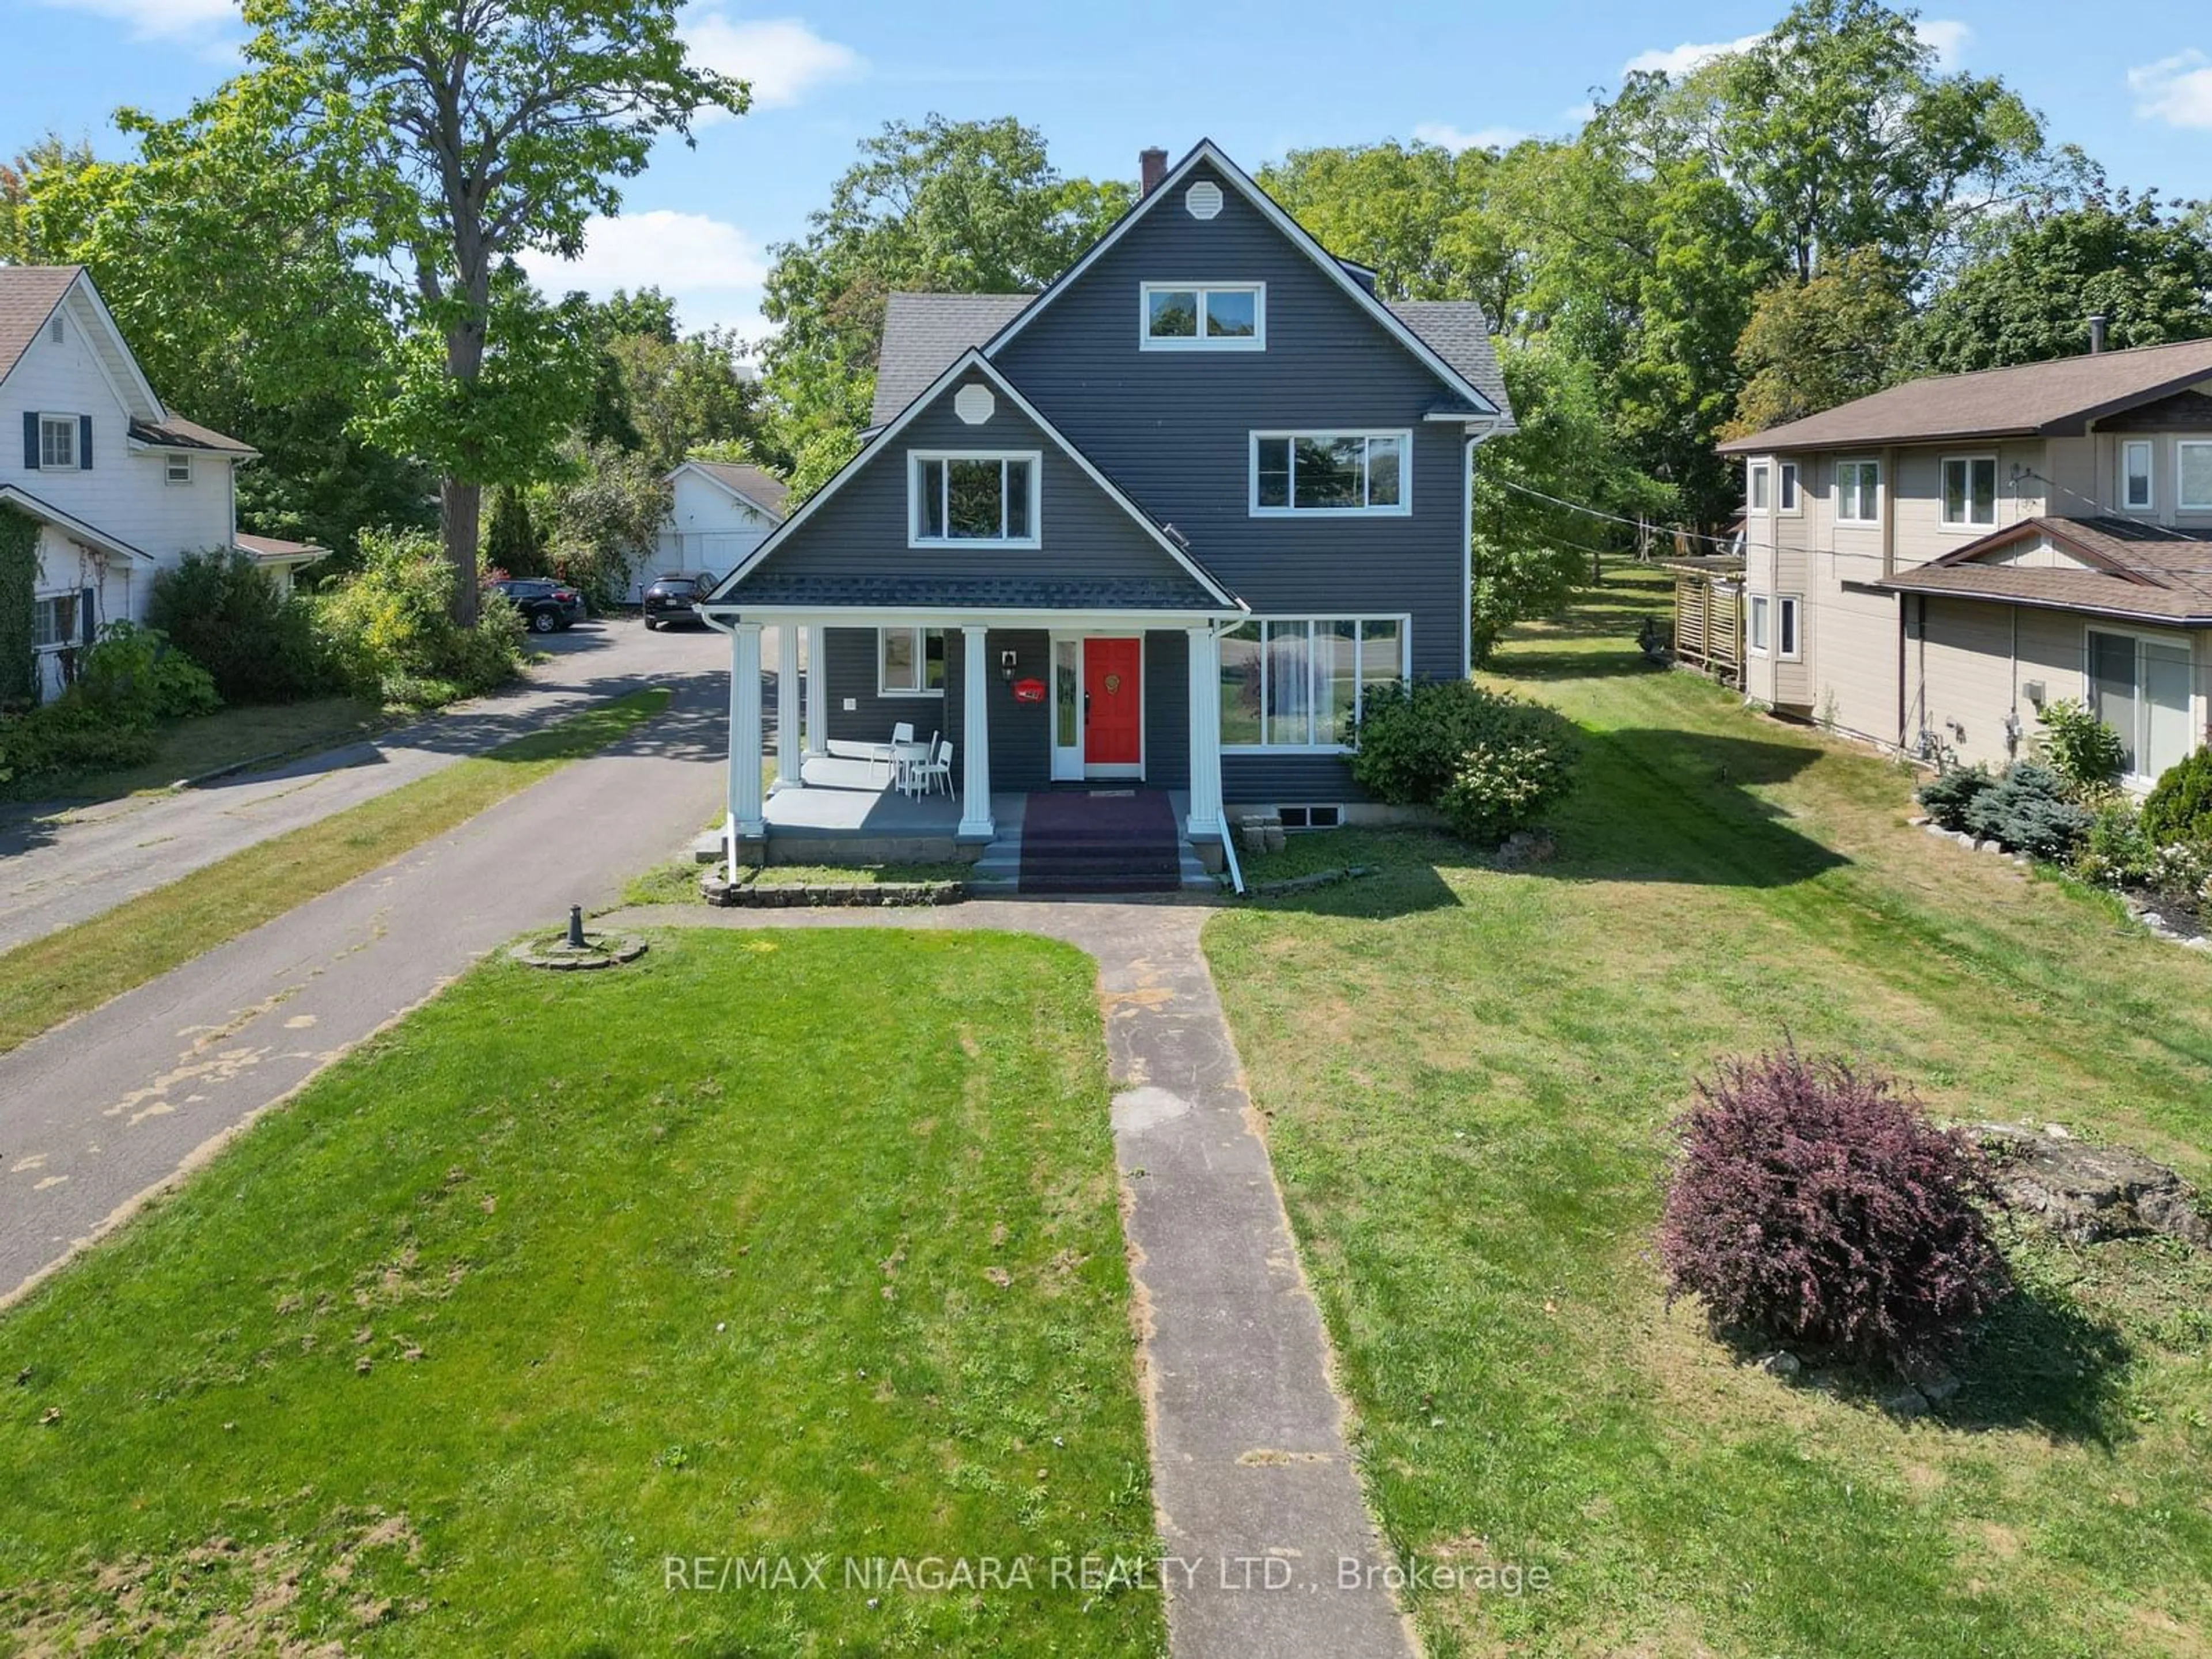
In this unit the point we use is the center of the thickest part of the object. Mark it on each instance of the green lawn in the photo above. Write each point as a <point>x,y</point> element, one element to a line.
<point>76,968</point>
<point>773,1243</point>
<point>1467,1076</point>
<point>678,882</point>
<point>192,748</point>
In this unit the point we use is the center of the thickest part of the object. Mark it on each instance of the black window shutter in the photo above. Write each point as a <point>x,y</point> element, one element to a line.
<point>86,624</point>
<point>30,440</point>
<point>84,442</point>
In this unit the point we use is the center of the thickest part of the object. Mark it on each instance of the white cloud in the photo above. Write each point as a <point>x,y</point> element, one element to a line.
<point>1455,140</point>
<point>1680,60</point>
<point>780,58</point>
<point>161,20</point>
<point>712,270</point>
<point>2177,90</point>
<point>1946,36</point>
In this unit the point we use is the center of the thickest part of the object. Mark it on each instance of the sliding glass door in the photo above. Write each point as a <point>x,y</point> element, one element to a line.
<point>2141,687</point>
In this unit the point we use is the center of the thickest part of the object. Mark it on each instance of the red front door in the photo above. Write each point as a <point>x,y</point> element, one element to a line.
<point>1113,702</point>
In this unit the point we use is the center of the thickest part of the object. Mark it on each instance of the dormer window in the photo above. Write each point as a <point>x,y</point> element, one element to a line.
<point>972,496</point>
<point>1203,317</point>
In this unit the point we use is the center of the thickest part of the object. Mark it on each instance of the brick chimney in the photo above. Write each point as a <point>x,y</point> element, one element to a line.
<point>1152,167</point>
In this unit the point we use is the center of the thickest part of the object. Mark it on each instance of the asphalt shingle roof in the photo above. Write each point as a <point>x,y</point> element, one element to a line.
<point>177,432</point>
<point>924,593</point>
<point>1458,331</point>
<point>2033,400</point>
<point>2154,573</point>
<point>28,294</point>
<point>755,484</point>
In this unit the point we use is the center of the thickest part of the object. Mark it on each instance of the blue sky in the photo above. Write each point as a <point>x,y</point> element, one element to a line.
<point>1105,78</point>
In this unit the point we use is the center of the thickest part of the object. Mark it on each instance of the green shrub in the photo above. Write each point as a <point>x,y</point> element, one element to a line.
<point>2082,750</point>
<point>129,681</point>
<point>1504,785</point>
<point>2115,852</point>
<point>390,629</point>
<point>1948,795</point>
<point>1492,763</point>
<point>2028,810</point>
<point>2179,809</point>
<point>223,611</point>
<point>68,737</point>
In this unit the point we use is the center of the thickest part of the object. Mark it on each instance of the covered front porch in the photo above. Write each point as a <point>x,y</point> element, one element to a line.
<point>1121,704</point>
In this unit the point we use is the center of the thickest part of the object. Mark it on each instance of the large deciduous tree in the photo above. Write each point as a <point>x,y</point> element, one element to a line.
<point>972,207</point>
<point>451,135</point>
<point>1811,345</point>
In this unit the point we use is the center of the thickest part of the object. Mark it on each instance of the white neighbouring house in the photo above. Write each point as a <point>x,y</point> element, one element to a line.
<point>719,513</point>
<point>119,486</point>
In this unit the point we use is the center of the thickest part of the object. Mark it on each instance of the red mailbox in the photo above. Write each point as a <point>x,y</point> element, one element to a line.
<point>1028,690</point>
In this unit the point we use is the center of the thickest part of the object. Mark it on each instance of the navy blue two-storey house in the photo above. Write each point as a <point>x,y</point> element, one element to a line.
<point>1160,524</point>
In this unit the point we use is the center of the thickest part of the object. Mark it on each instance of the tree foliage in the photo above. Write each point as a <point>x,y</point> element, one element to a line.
<point>1814,344</point>
<point>605,511</point>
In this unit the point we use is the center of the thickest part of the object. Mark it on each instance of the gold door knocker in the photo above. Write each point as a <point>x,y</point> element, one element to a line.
<point>1113,683</point>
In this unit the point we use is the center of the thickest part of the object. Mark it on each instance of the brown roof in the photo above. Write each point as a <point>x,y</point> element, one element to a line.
<point>276,551</point>
<point>2146,571</point>
<point>28,294</point>
<point>2053,399</point>
<point>761,488</point>
<point>177,432</point>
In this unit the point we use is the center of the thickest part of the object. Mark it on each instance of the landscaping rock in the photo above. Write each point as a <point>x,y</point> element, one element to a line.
<point>1781,1363</point>
<point>1988,846</point>
<point>2085,1192</point>
<point>1905,1402</point>
<point>1524,847</point>
<point>1938,1388</point>
<point>1919,818</point>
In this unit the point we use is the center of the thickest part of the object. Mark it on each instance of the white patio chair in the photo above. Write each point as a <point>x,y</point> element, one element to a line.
<point>884,754</point>
<point>937,770</point>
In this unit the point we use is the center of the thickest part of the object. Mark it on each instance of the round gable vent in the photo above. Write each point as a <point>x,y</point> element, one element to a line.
<point>1203,199</point>
<point>975,404</point>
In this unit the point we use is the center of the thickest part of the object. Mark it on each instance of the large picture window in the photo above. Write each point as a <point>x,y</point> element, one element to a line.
<point>1301,683</point>
<point>910,662</point>
<point>1331,472</point>
<point>971,497</point>
<point>2140,688</point>
<point>1203,316</point>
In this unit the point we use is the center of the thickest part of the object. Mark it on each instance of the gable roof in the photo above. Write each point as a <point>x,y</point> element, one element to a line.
<point>175,432</point>
<point>974,359</point>
<point>2053,399</point>
<point>1299,237</point>
<point>276,551</point>
<point>28,294</point>
<point>755,485</point>
<point>2136,571</point>
<point>923,332</point>
<point>69,524</point>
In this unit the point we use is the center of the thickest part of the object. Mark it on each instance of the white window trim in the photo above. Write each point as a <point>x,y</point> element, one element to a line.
<point>76,633</point>
<point>1791,473</point>
<point>1791,606</point>
<point>170,463</point>
<point>1201,341</point>
<point>1402,510</point>
<point>1968,526</point>
<point>70,423</point>
<point>914,460</point>
<point>2181,449</point>
<point>2141,636</point>
<point>1874,461</point>
<point>1757,607</point>
<point>1758,480</point>
<point>2150,448</point>
<point>1405,622</point>
<point>921,660</point>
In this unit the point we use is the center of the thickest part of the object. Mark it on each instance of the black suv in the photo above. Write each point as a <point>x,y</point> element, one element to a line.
<point>671,598</point>
<point>547,605</point>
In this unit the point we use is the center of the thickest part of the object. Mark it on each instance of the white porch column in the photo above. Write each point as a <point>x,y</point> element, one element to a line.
<point>975,733</point>
<point>1205,733</point>
<point>789,762</point>
<point>746,817</point>
<point>817,689</point>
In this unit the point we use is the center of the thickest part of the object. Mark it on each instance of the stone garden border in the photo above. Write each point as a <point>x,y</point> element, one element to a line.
<point>750,894</point>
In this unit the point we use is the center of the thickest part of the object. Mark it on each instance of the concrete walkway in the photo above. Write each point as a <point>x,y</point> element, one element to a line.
<point>1260,1507</point>
<point>98,1111</point>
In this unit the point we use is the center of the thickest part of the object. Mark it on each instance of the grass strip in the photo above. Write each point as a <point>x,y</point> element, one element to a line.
<point>68,973</point>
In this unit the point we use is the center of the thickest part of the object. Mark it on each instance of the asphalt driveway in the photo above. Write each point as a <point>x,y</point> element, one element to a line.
<point>60,869</point>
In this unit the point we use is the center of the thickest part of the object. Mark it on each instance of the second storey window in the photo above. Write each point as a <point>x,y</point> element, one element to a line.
<point>2138,492</point>
<point>2192,468</point>
<point>1331,472</point>
<point>1758,485</point>
<point>1858,492</point>
<point>974,498</point>
<point>1215,316</point>
<point>1969,491</point>
<point>1786,488</point>
<point>57,443</point>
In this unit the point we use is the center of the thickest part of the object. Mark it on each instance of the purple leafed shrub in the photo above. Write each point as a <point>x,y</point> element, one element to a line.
<point>1816,1204</point>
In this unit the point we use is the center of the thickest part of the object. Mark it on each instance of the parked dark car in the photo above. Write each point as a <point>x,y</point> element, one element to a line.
<point>671,598</point>
<point>547,605</point>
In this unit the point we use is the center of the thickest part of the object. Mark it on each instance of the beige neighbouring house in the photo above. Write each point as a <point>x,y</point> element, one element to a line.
<point>1927,568</point>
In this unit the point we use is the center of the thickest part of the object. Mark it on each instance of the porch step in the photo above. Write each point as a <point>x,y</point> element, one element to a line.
<point>1122,842</point>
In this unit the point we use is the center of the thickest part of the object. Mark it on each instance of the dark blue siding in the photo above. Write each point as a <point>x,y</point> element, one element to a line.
<point>1167,709</point>
<point>1172,428</point>
<point>851,657</point>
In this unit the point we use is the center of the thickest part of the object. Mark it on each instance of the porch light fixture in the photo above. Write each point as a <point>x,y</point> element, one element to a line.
<point>1007,667</point>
